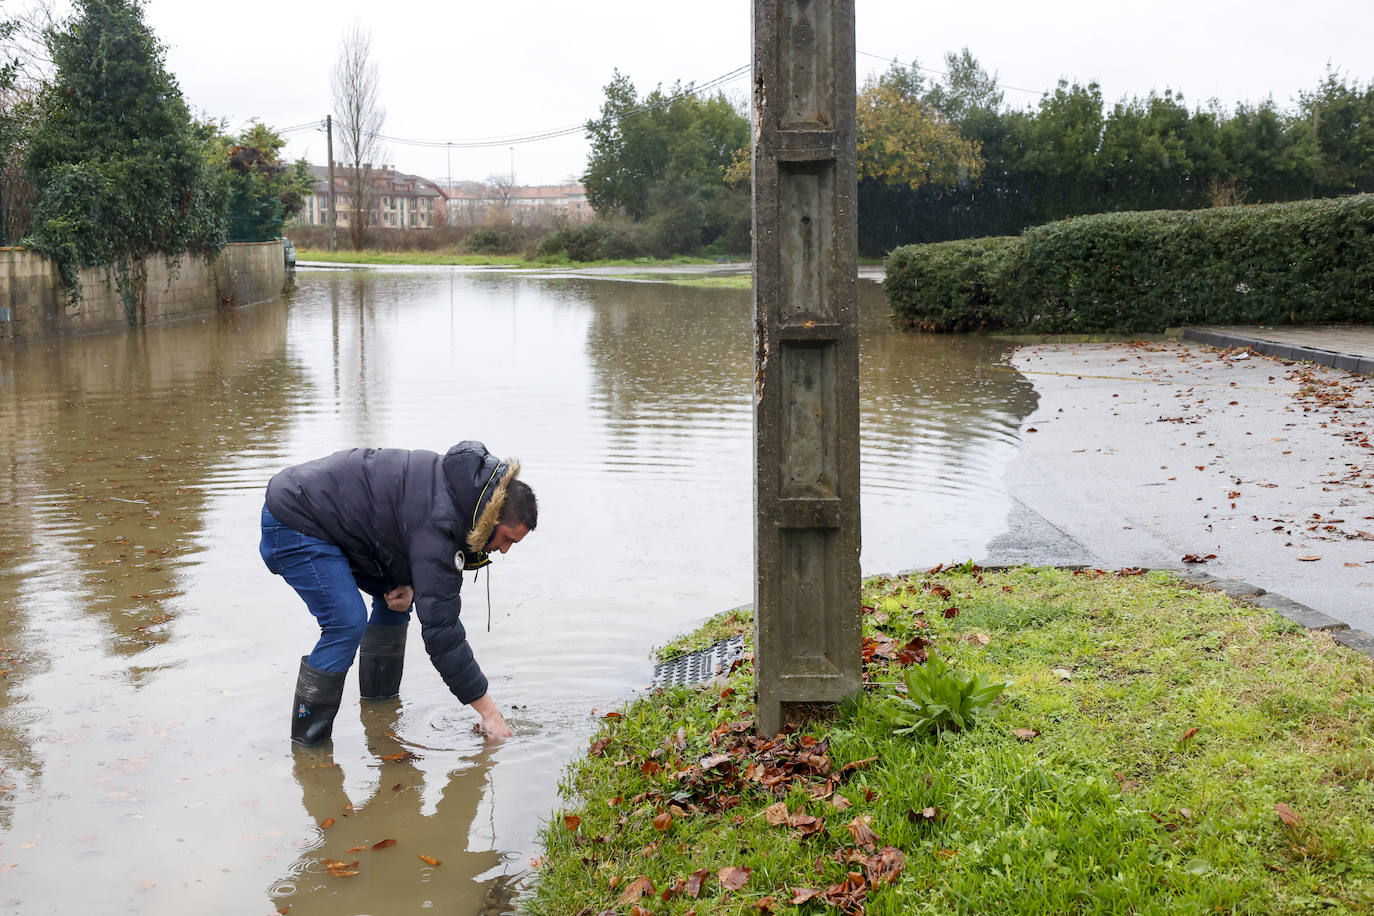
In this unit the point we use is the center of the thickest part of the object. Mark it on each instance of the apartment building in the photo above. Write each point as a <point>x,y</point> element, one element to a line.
<point>399,201</point>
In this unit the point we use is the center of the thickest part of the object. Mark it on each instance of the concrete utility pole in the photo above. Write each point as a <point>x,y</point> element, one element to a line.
<point>333,220</point>
<point>806,358</point>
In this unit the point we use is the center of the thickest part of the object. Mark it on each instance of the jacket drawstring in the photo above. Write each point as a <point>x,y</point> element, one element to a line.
<point>475,573</point>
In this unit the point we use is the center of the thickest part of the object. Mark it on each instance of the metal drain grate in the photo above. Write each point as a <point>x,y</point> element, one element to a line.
<point>697,667</point>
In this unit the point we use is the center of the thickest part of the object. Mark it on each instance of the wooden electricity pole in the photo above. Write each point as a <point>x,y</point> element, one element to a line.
<point>806,394</point>
<point>333,222</point>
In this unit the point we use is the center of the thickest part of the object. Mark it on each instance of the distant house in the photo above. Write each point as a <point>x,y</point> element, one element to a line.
<point>400,201</point>
<point>472,203</point>
<point>411,202</point>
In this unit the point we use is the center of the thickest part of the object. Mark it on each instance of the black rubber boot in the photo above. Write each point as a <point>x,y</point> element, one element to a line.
<point>380,660</point>
<point>317,702</point>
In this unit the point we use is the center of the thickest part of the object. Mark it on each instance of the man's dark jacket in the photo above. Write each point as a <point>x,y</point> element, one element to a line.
<point>406,518</point>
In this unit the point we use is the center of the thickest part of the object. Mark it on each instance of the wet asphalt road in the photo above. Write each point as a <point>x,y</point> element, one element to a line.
<point>1144,454</point>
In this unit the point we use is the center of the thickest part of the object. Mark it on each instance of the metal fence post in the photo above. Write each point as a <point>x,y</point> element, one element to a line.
<point>806,390</point>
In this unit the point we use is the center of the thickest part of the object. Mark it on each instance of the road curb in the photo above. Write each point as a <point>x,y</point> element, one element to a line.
<point>1349,362</point>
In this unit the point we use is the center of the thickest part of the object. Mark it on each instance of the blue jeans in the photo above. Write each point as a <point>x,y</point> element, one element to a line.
<point>320,574</point>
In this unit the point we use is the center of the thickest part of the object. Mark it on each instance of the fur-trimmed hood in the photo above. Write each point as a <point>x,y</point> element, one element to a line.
<point>478,481</point>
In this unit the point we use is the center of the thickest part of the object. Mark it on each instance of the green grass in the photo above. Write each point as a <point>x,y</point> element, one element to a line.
<point>1132,765</point>
<point>452,257</point>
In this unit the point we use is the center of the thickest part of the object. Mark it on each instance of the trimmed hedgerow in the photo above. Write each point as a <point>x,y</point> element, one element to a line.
<point>1295,263</point>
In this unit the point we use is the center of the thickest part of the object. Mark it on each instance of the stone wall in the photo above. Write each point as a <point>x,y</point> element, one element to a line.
<point>34,306</point>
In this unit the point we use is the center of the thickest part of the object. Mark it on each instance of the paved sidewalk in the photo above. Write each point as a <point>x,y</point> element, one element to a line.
<point>1348,347</point>
<point>1168,453</point>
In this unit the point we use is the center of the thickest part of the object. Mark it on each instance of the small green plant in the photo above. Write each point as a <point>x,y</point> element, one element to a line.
<point>939,698</point>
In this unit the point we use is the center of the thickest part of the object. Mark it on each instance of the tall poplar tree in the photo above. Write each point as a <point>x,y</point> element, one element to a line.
<point>118,162</point>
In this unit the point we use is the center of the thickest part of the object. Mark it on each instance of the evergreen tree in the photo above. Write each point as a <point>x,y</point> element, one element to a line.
<point>119,164</point>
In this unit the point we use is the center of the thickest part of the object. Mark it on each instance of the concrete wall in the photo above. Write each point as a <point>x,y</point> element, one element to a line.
<point>34,306</point>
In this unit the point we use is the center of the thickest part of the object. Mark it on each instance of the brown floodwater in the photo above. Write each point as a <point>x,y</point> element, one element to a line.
<point>148,658</point>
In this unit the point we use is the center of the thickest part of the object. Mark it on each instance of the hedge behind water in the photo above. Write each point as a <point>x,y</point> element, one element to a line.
<point>1296,263</point>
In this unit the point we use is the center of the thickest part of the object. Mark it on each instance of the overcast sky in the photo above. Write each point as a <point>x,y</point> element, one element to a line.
<point>465,71</point>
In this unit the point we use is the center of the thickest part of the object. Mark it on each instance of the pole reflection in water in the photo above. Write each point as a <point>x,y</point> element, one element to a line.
<point>145,764</point>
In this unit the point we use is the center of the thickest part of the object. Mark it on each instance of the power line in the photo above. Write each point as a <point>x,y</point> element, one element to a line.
<point>554,133</point>
<point>691,89</point>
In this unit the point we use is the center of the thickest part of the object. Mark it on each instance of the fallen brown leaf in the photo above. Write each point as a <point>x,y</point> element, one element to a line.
<point>1288,815</point>
<point>862,833</point>
<point>383,844</point>
<point>403,755</point>
<point>695,883</point>
<point>776,814</point>
<point>638,888</point>
<point>358,848</point>
<point>1188,734</point>
<point>327,823</point>
<point>1025,734</point>
<point>734,877</point>
<point>428,860</point>
<point>572,821</point>
<point>663,821</point>
<point>1309,559</point>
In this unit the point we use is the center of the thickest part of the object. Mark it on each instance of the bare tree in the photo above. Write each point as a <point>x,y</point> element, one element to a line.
<point>358,116</point>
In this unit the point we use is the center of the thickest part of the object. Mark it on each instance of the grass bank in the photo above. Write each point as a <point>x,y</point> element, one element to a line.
<point>430,258</point>
<point>1157,748</point>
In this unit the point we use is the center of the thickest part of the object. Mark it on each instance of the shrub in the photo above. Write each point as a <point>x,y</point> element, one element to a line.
<point>953,282</point>
<point>1295,263</point>
<point>596,241</point>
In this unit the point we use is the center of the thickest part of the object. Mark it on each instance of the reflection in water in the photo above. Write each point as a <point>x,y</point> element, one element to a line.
<point>151,658</point>
<point>396,810</point>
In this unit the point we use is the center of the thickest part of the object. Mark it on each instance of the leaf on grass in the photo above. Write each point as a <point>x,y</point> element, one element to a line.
<point>885,866</point>
<point>776,814</point>
<point>862,833</point>
<point>1288,815</point>
<point>734,877</point>
<point>801,895</point>
<point>1064,674</point>
<point>1188,734</point>
<point>713,761</point>
<point>639,888</point>
<point>663,821</point>
<point>572,821</point>
<point>951,612</point>
<point>428,860</point>
<point>383,844</point>
<point>1025,734</point>
<point>694,883</point>
<point>614,715</point>
<point>327,823</point>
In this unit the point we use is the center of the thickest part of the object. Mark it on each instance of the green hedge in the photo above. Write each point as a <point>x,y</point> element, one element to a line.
<point>1298,263</point>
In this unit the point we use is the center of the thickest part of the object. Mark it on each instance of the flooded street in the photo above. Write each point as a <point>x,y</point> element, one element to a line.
<point>149,657</point>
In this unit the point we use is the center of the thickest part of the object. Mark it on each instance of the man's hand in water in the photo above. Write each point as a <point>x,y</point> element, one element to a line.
<point>493,724</point>
<point>400,599</point>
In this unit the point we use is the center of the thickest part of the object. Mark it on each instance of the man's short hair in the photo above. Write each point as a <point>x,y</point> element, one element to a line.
<point>520,507</point>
